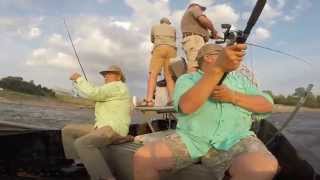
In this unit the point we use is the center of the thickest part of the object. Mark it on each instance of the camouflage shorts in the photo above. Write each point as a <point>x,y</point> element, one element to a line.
<point>217,161</point>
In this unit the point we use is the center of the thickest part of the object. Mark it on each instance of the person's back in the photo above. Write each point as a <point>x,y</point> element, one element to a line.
<point>191,24</point>
<point>164,34</point>
<point>163,37</point>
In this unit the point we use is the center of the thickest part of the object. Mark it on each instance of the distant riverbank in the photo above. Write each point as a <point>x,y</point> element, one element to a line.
<point>56,112</point>
<point>66,101</point>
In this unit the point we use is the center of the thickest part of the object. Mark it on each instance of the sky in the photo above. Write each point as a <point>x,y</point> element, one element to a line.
<point>34,43</point>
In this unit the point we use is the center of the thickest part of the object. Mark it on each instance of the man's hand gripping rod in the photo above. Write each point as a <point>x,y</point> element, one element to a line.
<point>239,36</point>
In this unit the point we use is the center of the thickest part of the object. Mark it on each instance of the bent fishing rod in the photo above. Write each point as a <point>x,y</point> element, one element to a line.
<point>301,101</point>
<point>240,37</point>
<point>74,49</point>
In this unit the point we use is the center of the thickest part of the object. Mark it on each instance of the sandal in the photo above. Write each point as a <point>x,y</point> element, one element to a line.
<point>169,103</point>
<point>147,103</point>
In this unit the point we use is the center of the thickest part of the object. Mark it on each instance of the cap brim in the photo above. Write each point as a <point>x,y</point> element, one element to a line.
<point>104,72</point>
<point>202,8</point>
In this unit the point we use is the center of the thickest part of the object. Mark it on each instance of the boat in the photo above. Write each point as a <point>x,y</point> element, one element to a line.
<point>32,152</point>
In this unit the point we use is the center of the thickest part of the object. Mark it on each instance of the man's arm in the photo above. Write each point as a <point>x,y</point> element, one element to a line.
<point>227,61</point>
<point>204,20</point>
<point>92,92</point>
<point>253,103</point>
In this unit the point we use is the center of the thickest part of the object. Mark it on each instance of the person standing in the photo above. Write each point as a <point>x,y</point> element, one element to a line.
<point>163,37</point>
<point>196,30</point>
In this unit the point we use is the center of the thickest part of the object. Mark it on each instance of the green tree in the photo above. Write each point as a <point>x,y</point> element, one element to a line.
<point>300,91</point>
<point>269,92</point>
<point>292,100</point>
<point>311,101</point>
<point>17,84</point>
<point>280,99</point>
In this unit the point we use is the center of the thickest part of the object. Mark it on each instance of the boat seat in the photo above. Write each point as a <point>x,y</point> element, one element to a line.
<point>178,67</point>
<point>119,158</point>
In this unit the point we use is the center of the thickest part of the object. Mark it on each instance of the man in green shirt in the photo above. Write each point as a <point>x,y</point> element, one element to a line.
<point>112,119</point>
<point>213,122</point>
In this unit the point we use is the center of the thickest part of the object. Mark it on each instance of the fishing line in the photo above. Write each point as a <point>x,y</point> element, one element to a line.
<point>281,52</point>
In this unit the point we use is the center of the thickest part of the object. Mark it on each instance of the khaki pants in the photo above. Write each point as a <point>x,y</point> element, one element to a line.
<point>82,141</point>
<point>161,56</point>
<point>191,45</point>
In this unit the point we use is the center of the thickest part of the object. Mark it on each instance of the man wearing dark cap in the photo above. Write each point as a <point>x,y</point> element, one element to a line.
<point>163,37</point>
<point>213,122</point>
<point>112,119</point>
<point>196,30</point>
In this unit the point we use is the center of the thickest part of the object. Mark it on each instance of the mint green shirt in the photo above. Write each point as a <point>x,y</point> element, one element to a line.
<point>113,104</point>
<point>215,124</point>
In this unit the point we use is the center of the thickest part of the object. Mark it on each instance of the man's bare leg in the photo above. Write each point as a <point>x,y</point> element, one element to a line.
<point>152,80</point>
<point>170,86</point>
<point>253,166</point>
<point>150,159</point>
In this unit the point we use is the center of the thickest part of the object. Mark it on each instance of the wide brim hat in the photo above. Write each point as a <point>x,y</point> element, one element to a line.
<point>114,69</point>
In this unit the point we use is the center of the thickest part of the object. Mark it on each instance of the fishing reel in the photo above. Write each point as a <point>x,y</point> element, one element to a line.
<point>231,36</point>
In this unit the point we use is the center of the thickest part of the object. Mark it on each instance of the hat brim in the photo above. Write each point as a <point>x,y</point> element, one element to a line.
<point>105,72</point>
<point>202,8</point>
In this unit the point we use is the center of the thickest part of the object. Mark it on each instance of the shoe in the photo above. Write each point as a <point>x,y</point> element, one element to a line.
<point>146,103</point>
<point>72,169</point>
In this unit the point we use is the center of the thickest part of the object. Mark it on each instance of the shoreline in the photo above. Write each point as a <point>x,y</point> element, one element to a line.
<point>69,102</point>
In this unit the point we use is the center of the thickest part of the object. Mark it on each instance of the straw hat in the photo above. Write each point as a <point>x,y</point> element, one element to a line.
<point>115,69</point>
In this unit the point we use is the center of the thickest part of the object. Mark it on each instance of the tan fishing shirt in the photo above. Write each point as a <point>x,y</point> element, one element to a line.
<point>163,34</point>
<point>190,23</point>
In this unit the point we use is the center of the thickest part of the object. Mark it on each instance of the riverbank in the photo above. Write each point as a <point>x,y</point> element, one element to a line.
<point>57,112</point>
<point>63,101</point>
<point>67,101</point>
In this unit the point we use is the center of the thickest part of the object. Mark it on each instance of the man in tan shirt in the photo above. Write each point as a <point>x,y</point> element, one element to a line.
<point>163,37</point>
<point>195,27</point>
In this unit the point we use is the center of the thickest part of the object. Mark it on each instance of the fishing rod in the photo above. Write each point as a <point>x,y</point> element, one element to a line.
<point>280,52</point>
<point>74,49</point>
<point>301,101</point>
<point>240,37</point>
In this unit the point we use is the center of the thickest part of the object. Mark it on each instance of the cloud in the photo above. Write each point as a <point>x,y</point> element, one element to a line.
<point>123,24</point>
<point>44,57</point>
<point>103,1</point>
<point>221,14</point>
<point>56,40</point>
<point>146,13</point>
<point>34,32</point>
<point>299,7</point>
<point>25,28</point>
<point>203,2</point>
<point>288,18</point>
<point>101,41</point>
<point>260,34</point>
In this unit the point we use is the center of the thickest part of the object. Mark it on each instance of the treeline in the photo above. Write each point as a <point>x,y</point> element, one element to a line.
<point>313,101</point>
<point>19,85</point>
